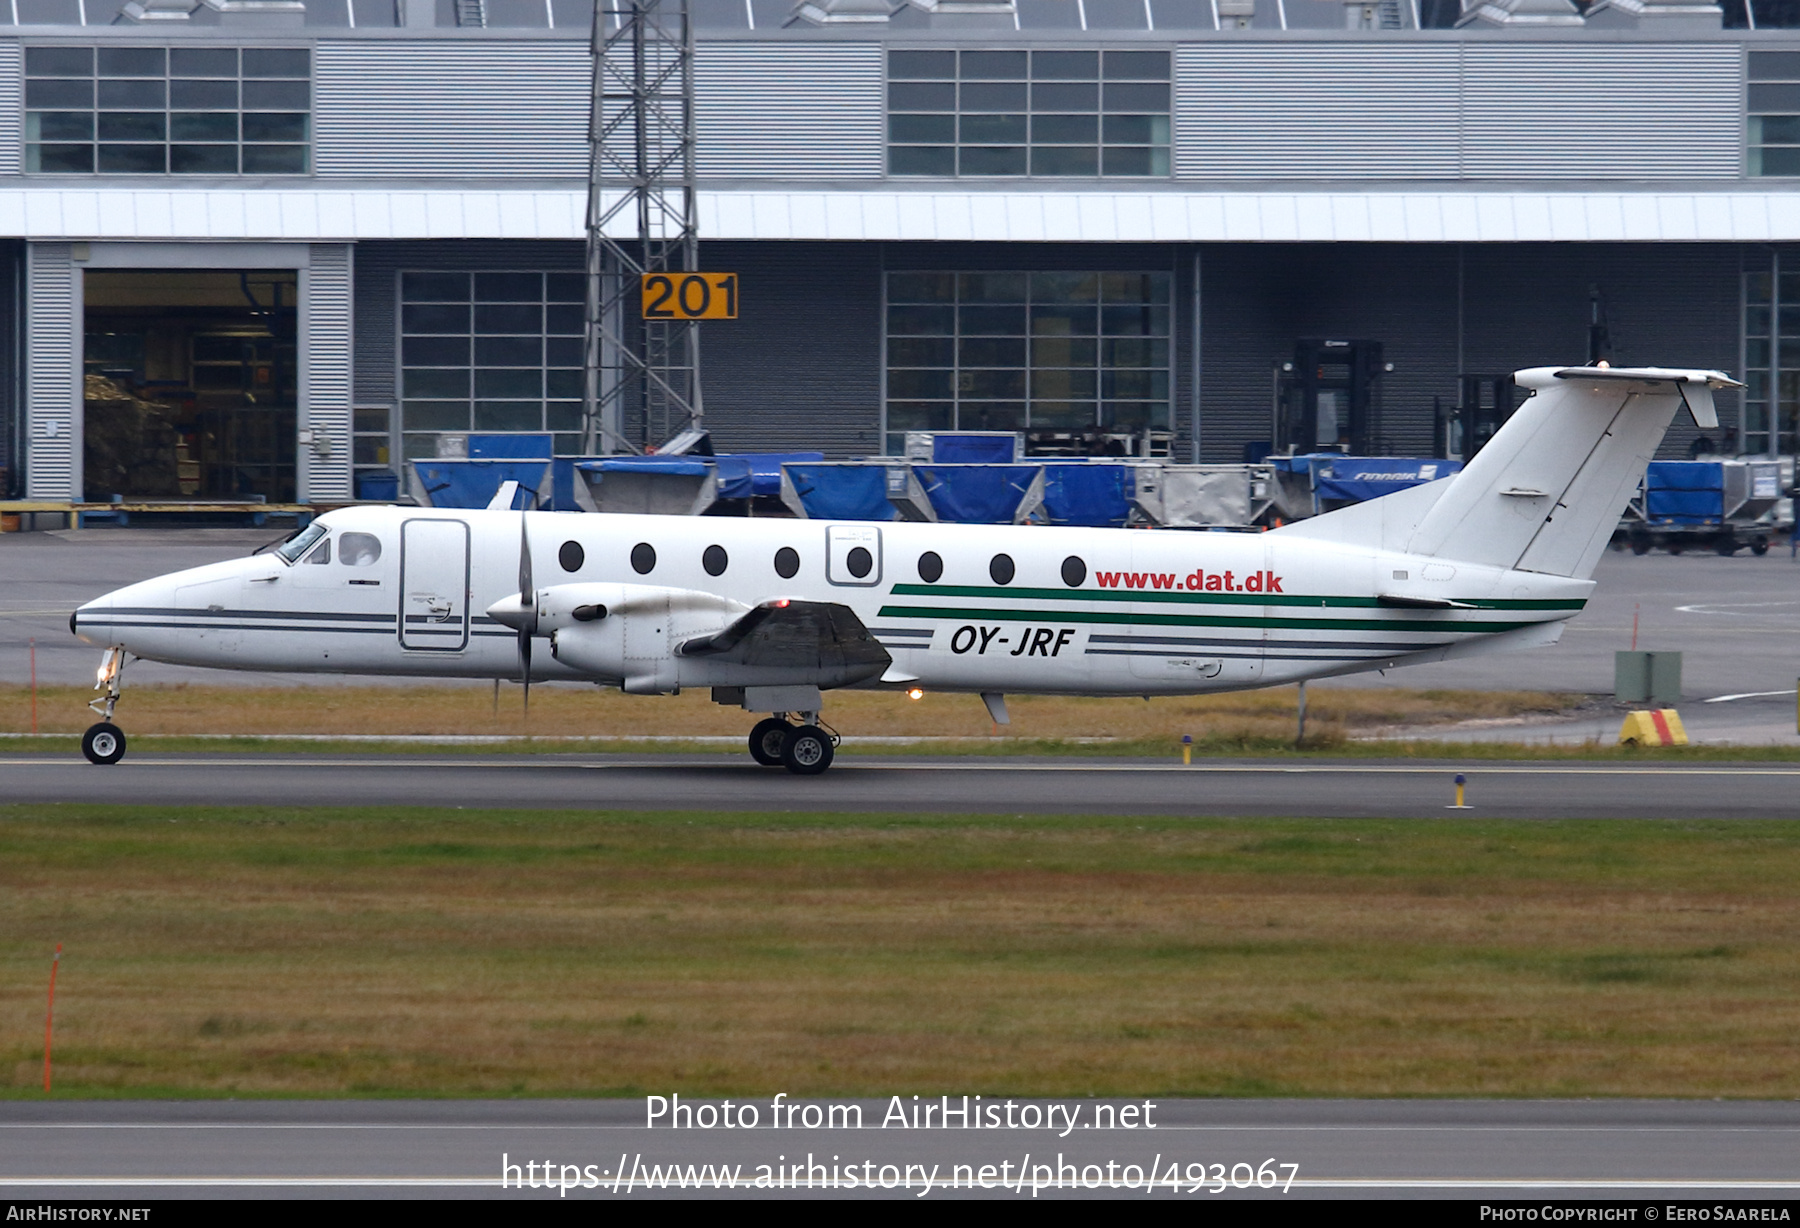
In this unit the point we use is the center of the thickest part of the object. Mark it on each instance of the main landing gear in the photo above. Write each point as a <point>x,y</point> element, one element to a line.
<point>104,743</point>
<point>805,749</point>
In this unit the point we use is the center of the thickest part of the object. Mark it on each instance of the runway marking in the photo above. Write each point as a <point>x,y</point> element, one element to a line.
<point>1721,607</point>
<point>1426,1128</point>
<point>1720,699</point>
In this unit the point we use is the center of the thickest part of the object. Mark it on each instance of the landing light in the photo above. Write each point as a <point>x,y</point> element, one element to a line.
<point>915,693</point>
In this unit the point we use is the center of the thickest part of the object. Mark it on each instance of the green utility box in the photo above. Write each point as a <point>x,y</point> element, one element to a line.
<point>1647,677</point>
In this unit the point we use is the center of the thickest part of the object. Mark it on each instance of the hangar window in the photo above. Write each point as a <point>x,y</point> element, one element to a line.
<point>1771,315</point>
<point>125,110</point>
<point>1043,114</point>
<point>359,549</point>
<point>492,353</point>
<point>1772,145</point>
<point>787,562</point>
<point>1081,362</point>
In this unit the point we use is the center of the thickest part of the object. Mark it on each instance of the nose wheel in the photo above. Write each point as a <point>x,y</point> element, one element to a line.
<point>104,743</point>
<point>805,749</point>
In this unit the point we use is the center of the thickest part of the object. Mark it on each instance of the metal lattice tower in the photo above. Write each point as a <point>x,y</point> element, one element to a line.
<point>643,377</point>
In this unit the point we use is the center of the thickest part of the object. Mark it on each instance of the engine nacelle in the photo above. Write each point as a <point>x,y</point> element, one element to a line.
<point>628,633</point>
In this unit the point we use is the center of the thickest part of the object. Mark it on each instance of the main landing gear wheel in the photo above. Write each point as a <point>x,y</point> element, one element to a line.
<point>807,751</point>
<point>766,740</point>
<point>103,743</point>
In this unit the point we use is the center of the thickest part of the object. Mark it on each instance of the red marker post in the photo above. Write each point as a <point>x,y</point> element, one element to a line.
<point>50,1013</point>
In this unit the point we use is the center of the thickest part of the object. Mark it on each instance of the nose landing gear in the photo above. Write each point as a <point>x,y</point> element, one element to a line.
<point>104,743</point>
<point>805,749</point>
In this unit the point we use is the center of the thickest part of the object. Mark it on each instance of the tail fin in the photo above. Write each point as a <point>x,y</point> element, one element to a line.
<point>1546,492</point>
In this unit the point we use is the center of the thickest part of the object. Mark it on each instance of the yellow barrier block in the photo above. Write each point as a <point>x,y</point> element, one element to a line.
<point>1660,727</point>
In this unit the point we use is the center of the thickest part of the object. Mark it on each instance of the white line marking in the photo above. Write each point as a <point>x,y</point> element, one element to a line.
<point>1322,1183</point>
<point>1709,608</point>
<point>1447,766</point>
<point>1722,699</point>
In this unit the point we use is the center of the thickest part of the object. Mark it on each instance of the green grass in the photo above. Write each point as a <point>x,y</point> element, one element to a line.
<point>274,951</point>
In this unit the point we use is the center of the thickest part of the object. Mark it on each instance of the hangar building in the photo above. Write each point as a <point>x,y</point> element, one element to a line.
<point>260,247</point>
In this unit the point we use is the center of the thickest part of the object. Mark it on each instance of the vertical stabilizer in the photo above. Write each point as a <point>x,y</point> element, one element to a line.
<point>1546,492</point>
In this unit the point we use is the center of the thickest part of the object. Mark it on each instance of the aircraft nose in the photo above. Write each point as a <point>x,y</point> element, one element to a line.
<point>509,611</point>
<point>91,623</point>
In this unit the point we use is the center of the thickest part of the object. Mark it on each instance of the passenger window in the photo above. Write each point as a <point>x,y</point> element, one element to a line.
<point>571,556</point>
<point>715,560</point>
<point>1074,571</point>
<point>931,567</point>
<point>1001,569</point>
<point>321,553</point>
<point>359,549</point>
<point>643,558</point>
<point>787,562</point>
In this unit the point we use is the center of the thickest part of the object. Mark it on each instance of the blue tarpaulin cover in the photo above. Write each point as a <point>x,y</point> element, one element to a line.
<point>744,474</point>
<point>1357,478</point>
<point>842,492</point>
<point>1684,475</point>
<point>1687,492</point>
<point>1098,496</point>
<point>976,494</point>
<point>509,447</point>
<point>474,483</point>
<point>954,448</point>
<point>645,464</point>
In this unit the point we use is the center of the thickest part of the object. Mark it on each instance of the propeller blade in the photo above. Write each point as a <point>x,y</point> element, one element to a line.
<point>528,607</point>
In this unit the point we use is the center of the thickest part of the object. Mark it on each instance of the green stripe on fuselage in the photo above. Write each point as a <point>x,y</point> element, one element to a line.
<point>1201,620</point>
<point>1185,596</point>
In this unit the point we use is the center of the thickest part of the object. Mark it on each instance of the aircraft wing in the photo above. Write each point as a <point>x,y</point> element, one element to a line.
<point>796,635</point>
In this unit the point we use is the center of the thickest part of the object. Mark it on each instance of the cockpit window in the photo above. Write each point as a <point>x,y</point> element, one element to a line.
<point>321,553</point>
<point>300,542</point>
<point>359,549</point>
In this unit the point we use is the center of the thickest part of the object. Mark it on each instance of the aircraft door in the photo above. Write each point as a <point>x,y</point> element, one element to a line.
<point>853,554</point>
<point>434,585</point>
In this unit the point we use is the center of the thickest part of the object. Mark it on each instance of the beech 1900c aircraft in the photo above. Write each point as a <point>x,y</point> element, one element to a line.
<point>770,614</point>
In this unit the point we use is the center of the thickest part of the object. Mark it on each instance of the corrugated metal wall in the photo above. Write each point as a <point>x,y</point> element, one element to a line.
<point>12,349</point>
<point>800,368</point>
<point>12,73</point>
<point>789,110</point>
<point>1354,111</point>
<point>52,373</point>
<point>1465,110</point>
<point>774,110</point>
<point>327,323</point>
<point>433,108</point>
<point>1523,305</point>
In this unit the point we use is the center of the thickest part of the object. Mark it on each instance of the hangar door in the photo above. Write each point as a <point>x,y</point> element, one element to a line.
<point>434,585</point>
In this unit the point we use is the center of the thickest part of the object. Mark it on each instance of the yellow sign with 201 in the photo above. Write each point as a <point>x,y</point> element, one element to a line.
<point>690,296</point>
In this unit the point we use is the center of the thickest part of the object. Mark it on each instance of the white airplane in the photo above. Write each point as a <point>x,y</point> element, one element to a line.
<point>770,614</point>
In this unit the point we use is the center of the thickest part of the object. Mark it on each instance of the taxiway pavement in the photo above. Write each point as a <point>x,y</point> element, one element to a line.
<point>879,784</point>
